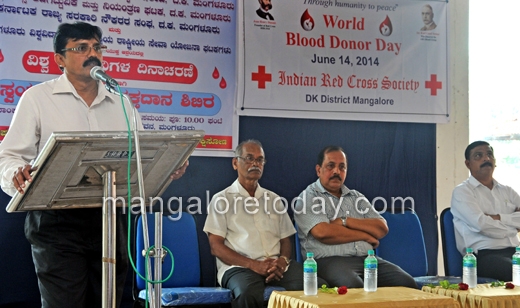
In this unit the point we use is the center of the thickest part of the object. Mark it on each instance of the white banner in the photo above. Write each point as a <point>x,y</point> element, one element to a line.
<point>354,60</point>
<point>174,59</point>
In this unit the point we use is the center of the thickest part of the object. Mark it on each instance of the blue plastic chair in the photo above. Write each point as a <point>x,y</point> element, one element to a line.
<point>184,286</point>
<point>297,246</point>
<point>404,243</point>
<point>404,246</point>
<point>451,255</point>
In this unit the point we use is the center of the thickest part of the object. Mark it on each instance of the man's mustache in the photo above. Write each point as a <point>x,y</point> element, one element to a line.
<point>92,60</point>
<point>335,177</point>
<point>486,164</point>
<point>254,169</point>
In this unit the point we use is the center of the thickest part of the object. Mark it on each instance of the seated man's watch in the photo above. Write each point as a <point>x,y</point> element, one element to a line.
<point>344,221</point>
<point>287,260</point>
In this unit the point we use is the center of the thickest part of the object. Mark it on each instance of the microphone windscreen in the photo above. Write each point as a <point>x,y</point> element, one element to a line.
<point>93,72</point>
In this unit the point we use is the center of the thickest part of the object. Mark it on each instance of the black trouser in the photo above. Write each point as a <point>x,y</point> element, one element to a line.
<point>349,272</point>
<point>248,286</point>
<point>495,263</point>
<point>67,254</point>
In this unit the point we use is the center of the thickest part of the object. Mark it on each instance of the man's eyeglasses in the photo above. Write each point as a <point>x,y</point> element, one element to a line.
<point>85,49</point>
<point>249,159</point>
<point>332,166</point>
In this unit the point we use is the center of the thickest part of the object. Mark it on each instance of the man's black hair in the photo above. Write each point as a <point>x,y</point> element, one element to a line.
<point>328,149</point>
<point>474,145</point>
<point>75,31</point>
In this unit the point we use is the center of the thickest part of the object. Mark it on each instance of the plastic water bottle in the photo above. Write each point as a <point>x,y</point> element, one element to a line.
<point>310,275</point>
<point>370,280</point>
<point>469,268</point>
<point>516,267</point>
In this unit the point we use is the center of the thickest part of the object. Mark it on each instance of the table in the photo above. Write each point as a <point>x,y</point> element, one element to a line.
<point>483,296</point>
<point>358,298</point>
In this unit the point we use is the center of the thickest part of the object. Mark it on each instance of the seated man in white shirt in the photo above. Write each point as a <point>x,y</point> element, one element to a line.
<point>249,232</point>
<point>486,214</point>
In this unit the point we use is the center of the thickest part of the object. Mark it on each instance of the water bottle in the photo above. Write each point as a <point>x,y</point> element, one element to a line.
<point>310,275</point>
<point>516,267</point>
<point>370,280</point>
<point>469,268</point>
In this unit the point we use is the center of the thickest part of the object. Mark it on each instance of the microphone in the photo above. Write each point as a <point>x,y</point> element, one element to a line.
<point>97,73</point>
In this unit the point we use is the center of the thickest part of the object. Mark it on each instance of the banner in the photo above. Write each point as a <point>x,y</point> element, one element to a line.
<point>352,60</point>
<point>174,59</point>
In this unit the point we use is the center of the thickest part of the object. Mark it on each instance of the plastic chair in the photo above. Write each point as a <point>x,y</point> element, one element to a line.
<point>451,255</point>
<point>183,288</point>
<point>297,246</point>
<point>404,246</point>
<point>404,243</point>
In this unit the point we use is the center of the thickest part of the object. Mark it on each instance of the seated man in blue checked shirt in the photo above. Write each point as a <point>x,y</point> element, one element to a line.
<point>339,226</point>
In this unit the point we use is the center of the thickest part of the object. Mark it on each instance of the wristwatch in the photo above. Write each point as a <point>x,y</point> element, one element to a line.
<point>344,221</point>
<point>287,260</point>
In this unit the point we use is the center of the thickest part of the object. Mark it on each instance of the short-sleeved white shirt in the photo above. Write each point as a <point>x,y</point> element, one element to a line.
<point>253,227</point>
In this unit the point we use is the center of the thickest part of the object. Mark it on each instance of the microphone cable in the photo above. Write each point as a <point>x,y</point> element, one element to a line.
<point>141,196</point>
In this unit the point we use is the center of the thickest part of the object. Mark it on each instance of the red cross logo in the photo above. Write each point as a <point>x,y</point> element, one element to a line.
<point>262,77</point>
<point>433,84</point>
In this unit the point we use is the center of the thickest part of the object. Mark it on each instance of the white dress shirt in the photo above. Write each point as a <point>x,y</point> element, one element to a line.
<point>252,231</point>
<point>55,106</point>
<point>470,203</point>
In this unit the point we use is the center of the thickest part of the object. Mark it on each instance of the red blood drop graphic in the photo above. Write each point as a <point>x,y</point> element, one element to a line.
<point>306,21</point>
<point>386,27</point>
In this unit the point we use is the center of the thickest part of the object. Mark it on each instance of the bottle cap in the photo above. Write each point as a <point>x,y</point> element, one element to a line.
<point>517,248</point>
<point>310,255</point>
<point>371,252</point>
<point>469,250</point>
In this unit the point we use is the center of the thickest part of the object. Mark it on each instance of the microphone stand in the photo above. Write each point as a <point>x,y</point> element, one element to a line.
<point>154,290</point>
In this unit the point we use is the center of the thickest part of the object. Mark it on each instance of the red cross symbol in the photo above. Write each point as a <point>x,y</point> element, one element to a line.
<point>433,84</point>
<point>262,77</point>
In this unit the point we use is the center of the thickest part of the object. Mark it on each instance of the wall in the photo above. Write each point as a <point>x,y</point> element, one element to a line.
<point>453,138</point>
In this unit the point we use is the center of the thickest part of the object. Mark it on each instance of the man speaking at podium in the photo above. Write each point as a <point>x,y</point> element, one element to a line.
<point>66,244</point>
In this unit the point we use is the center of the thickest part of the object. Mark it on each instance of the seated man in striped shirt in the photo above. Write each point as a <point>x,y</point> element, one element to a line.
<point>340,244</point>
